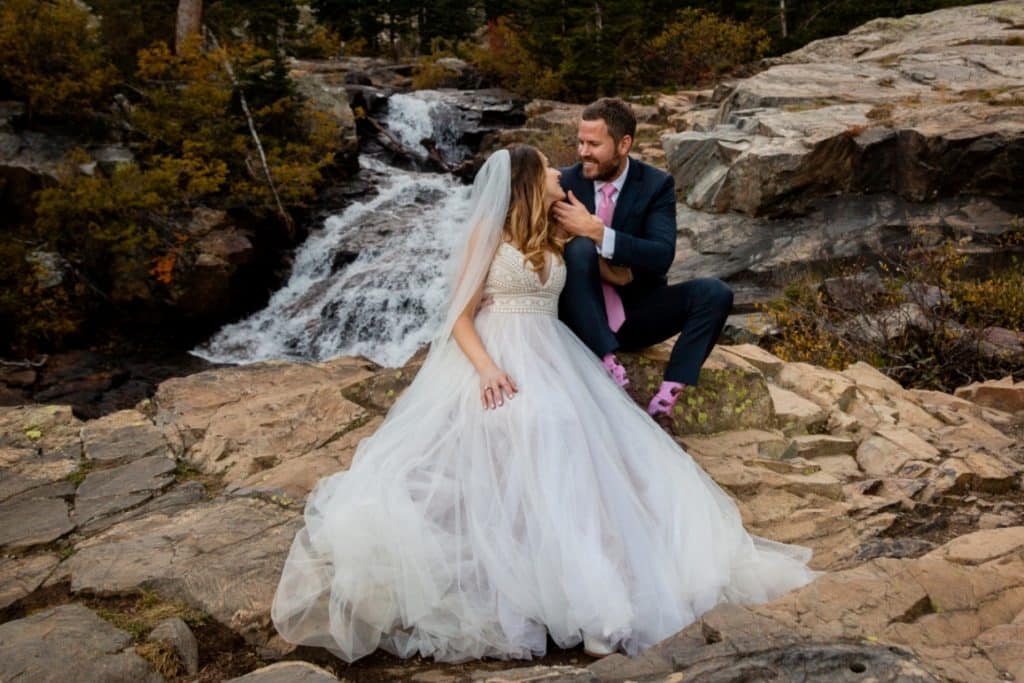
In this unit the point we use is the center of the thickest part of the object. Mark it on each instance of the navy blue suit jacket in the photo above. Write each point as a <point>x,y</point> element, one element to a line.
<point>644,222</point>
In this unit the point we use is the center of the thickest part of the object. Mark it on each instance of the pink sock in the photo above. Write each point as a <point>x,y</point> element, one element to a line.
<point>615,369</point>
<point>665,399</point>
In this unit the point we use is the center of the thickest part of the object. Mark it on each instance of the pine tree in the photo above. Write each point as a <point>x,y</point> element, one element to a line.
<point>447,19</point>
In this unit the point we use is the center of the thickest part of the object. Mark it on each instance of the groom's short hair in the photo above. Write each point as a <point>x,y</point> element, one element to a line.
<point>617,115</point>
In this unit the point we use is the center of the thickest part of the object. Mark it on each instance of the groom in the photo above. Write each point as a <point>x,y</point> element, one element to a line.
<point>622,213</point>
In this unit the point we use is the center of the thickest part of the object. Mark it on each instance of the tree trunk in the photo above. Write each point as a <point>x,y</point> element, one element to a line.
<point>190,19</point>
<point>285,216</point>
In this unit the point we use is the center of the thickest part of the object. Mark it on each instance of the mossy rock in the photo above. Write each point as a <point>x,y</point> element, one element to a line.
<point>379,392</point>
<point>724,399</point>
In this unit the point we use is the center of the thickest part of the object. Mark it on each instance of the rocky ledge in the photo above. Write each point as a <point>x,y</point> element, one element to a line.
<point>841,147</point>
<point>184,508</point>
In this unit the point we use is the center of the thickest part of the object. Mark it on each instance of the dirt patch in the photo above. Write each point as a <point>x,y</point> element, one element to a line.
<point>223,654</point>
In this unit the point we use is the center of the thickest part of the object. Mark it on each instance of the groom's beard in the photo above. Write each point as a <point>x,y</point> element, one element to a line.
<point>603,172</point>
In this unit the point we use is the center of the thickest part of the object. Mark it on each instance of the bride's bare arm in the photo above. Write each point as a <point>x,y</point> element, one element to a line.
<point>495,384</point>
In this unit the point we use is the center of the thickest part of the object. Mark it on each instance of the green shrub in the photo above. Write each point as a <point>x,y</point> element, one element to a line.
<point>32,314</point>
<point>317,42</point>
<point>191,111</point>
<point>121,234</point>
<point>942,348</point>
<point>998,301</point>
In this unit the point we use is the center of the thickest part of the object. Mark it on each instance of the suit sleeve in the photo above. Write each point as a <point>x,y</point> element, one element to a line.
<point>655,247</point>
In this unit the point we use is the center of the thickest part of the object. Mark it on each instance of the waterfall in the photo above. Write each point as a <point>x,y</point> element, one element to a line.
<point>384,303</point>
<point>425,114</point>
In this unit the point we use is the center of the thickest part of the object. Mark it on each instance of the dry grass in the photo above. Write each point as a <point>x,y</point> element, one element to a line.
<point>938,347</point>
<point>212,482</point>
<point>881,114</point>
<point>163,657</point>
<point>145,611</point>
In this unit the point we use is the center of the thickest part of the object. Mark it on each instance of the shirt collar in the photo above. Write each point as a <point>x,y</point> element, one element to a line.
<point>618,182</point>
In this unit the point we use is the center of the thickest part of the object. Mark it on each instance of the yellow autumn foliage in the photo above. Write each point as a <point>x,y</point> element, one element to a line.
<point>51,57</point>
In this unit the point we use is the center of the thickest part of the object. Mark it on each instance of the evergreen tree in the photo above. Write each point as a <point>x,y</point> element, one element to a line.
<point>267,23</point>
<point>447,19</point>
<point>351,19</point>
<point>381,24</point>
<point>128,26</point>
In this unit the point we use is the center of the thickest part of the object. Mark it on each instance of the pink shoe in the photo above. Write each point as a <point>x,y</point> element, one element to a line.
<point>665,399</point>
<point>615,369</point>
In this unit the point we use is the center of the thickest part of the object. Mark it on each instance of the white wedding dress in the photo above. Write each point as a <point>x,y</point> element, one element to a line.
<point>461,533</point>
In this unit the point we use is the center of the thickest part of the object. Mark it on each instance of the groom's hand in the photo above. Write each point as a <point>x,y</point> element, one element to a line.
<point>576,220</point>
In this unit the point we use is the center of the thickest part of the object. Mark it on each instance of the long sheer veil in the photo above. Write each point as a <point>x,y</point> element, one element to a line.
<point>467,267</point>
<point>481,233</point>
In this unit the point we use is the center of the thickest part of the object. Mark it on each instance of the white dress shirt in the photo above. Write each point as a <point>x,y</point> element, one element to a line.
<point>607,246</point>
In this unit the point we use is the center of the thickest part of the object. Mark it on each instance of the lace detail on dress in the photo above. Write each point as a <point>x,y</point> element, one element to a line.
<point>513,287</point>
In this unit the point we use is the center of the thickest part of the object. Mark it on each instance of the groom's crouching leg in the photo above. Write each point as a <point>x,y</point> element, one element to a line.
<point>719,299</point>
<point>581,253</point>
<point>714,303</point>
<point>706,305</point>
<point>581,305</point>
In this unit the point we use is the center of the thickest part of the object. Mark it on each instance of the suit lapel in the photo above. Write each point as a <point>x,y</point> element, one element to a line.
<point>628,196</point>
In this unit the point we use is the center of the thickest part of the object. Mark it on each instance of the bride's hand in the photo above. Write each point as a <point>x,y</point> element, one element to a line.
<point>492,383</point>
<point>616,275</point>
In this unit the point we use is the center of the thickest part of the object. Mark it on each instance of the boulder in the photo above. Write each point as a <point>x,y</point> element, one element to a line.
<point>31,521</point>
<point>730,642</point>
<point>107,491</point>
<point>820,445</point>
<point>1001,343</point>
<point>818,121</point>
<point>123,436</point>
<point>840,148</point>
<point>764,361</point>
<point>827,388</point>
<point>223,556</point>
<point>890,449</point>
<point>1004,394</point>
<point>209,284</point>
<point>332,101</point>
<point>748,328</point>
<point>21,576</point>
<point>41,646</point>
<point>287,672</point>
<point>794,413</point>
<point>826,229</point>
<point>237,422</point>
<point>177,634</point>
<point>531,674</point>
<point>731,394</point>
<point>953,410</point>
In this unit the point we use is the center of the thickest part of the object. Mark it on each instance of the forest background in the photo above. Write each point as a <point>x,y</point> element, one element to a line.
<point>183,85</point>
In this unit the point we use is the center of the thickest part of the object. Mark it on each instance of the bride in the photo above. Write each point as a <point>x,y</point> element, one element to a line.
<point>514,490</point>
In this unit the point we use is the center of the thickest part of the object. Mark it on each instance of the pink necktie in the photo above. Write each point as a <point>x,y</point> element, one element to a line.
<point>612,301</point>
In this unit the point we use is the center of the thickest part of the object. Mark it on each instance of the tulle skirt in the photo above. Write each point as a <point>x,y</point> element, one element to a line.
<point>460,533</point>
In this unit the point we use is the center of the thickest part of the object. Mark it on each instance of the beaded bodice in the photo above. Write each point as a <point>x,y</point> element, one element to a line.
<point>513,287</point>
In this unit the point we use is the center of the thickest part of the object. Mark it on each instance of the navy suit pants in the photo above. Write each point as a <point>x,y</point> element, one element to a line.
<point>695,310</point>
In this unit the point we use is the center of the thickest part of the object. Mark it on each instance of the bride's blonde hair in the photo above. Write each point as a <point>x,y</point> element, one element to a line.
<point>527,226</point>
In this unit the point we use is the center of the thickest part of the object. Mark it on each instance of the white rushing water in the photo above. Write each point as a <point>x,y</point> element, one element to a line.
<point>385,303</point>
